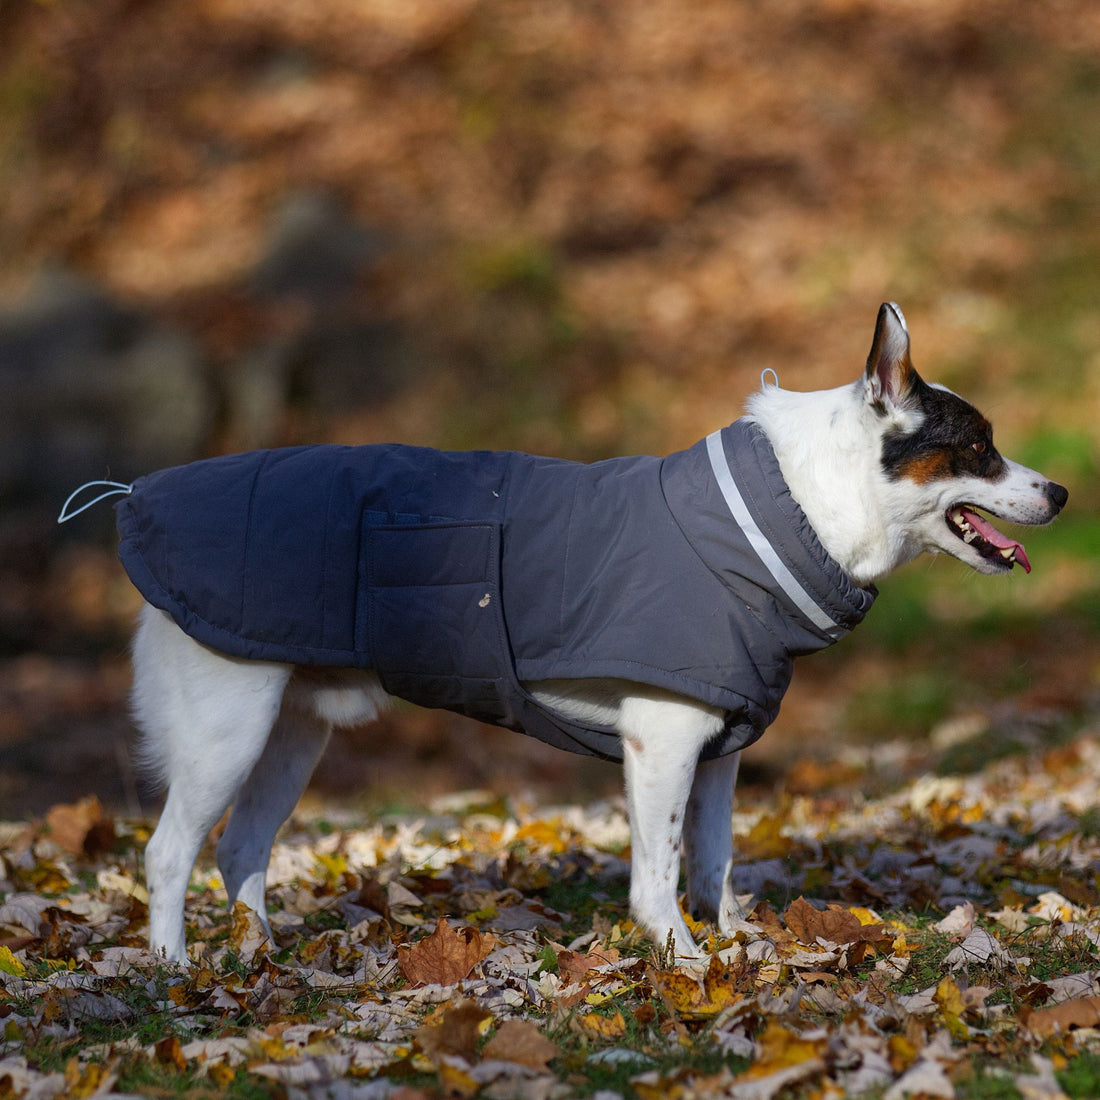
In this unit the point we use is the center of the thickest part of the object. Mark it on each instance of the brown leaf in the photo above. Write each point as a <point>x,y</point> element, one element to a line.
<point>81,827</point>
<point>456,1031</point>
<point>445,957</point>
<point>1062,1018</point>
<point>519,1041</point>
<point>574,966</point>
<point>835,924</point>
<point>169,1052</point>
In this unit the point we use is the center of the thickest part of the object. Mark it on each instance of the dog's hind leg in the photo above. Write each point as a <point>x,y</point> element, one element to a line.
<point>314,703</point>
<point>206,719</point>
<point>265,801</point>
<point>662,739</point>
<point>708,842</point>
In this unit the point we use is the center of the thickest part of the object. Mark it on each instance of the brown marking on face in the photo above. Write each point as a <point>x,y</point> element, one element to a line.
<point>930,466</point>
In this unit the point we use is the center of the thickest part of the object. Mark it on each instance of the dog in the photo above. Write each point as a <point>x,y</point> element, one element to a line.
<point>644,609</point>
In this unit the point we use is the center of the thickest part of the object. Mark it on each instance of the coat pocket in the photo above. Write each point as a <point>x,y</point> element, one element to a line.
<point>431,616</point>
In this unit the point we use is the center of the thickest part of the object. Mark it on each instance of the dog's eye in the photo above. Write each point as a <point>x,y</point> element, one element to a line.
<point>979,447</point>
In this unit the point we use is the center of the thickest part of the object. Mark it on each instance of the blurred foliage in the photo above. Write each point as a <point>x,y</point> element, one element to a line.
<point>593,225</point>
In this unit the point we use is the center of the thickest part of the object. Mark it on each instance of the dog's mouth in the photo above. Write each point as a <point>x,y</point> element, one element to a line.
<point>980,535</point>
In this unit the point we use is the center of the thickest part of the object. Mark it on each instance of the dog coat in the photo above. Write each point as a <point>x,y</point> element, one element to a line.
<point>460,576</point>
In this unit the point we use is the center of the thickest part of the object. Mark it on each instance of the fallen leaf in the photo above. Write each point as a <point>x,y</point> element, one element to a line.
<point>444,957</point>
<point>247,935</point>
<point>456,1081</point>
<point>574,966</point>
<point>81,827</point>
<point>949,1000</point>
<point>1061,1018</point>
<point>765,840</point>
<point>785,1057</point>
<point>457,1031</point>
<point>959,922</point>
<point>169,1052</point>
<point>520,1041</point>
<point>979,948</point>
<point>9,964</point>
<point>834,924</point>
<point>596,1026</point>
<point>1042,1084</point>
<point>688,998</point>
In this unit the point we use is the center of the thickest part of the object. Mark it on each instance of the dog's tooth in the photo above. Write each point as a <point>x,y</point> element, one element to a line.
<point>1008,553</point>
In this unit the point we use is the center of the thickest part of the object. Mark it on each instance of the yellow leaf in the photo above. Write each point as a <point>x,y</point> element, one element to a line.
<point>603,1027</point>
<point>689,999</point>
<point>765,840</point>
<point>780,1049</point>
<point>902,1053</point>
<point>276,1050</point>
<point>546,834</point>
<point>597,999</point>
<point>221,1074</point>
<point>865,916</point>
<point>950,1000</point>
<point>456,1081</point>
<point>9,964</point>
<point>87,1080</point>
<point>949,997</point>
<point>332,867</point>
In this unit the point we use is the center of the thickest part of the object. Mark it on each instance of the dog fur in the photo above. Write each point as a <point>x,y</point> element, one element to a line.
<point>882,468</point>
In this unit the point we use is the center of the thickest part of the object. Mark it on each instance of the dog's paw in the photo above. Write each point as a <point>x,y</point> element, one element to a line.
<point>734,914</point>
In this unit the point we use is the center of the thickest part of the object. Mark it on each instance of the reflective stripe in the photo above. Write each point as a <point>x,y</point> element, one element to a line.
<point>786,580</point>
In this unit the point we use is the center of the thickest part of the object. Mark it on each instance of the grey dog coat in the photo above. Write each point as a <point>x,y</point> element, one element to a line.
<point>458,577</point>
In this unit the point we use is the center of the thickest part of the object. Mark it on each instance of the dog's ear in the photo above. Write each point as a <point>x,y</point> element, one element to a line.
<point>889,370</point>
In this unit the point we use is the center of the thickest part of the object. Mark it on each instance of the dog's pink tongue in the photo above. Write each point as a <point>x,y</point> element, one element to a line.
<point>1002,542</point>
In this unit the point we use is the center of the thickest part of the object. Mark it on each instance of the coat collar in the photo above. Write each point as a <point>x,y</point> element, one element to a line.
<point>739,515</point>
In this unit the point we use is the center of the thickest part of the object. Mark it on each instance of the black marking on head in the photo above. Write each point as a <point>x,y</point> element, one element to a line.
<point>953,440</point>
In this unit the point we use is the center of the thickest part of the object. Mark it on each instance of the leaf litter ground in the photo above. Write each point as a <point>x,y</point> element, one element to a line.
<point>940,940</point>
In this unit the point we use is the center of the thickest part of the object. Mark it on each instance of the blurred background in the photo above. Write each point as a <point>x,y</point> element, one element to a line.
<point>579,227</point>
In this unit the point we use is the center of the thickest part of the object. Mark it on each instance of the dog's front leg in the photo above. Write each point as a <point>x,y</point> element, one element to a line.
<point>708,843</point>
<point>662,739</point>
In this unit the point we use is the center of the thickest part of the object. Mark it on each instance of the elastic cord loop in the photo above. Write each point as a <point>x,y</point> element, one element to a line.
<point>116,488</point>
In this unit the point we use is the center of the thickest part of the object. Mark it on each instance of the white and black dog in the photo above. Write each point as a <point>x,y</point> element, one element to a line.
<point>645,609</point>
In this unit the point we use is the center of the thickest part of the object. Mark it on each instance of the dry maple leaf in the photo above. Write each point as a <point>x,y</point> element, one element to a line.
<point>785,1057</point>
<point>456,1031</point>
<point>1062,1018</point>
<point>574,966</point>
<point>834,924</point>
<point>519,1041</point>
<point>444,957</point>
<point>81,827</point>
<point>689,999</point>
<point>595,1026</point>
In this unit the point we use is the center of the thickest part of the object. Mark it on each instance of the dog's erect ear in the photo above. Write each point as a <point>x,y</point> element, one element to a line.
<point>889,369</point>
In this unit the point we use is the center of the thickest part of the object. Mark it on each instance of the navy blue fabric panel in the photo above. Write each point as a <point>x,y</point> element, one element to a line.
<point>290,549</point>
<point>195,575</point>
<point>432,603</point>
<point>416,484</point>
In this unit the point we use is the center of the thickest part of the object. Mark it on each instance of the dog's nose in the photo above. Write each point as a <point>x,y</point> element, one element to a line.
<point>1057,495</point>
